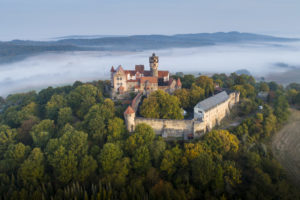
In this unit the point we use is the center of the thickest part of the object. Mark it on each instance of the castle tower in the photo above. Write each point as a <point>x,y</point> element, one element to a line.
<point>112,71</point>
<point>153,60</point>
<point>129,116</point>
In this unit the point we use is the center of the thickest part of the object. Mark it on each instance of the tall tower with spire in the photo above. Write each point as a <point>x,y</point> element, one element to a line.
<point>153,60</point>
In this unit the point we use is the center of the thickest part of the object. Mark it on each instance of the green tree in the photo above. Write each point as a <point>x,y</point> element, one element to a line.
<point>52,107</point>
<point>144,135</point>
<point>187,81</point>
<point>31,171</point>
<point>42,132</point>
<point>207,84</point>
<point>7,137</point>
<point>171,160</point>
<point>82,98</point>
<point>141,160</point>
<point>184,97</point>
<point>161,105</point>
<point>64,116</point>
<point>114,168</point>
<point>196,94</point>
<point>116,129</point>
<point>13,157</point>
<point>203,169</point>
<point>281,108</point>
<point>68,156</point>
<point>97,119</point>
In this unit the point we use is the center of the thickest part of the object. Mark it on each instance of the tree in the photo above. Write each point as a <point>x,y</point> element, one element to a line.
<point>170,161</point>
<point>202,169</point>
<point>264,87</point>
<point>97,119</point>
<point>13,157</point>
<point>196,94</point>
<point>82,98</point>
<point>281,108</point>
<point>141,160</point>
<point>161,105</point>
<point>68,156</point>
<point>64,116</point>
<point>207,84</point>
<point>184,97</point>
<point>114,168</point>
<point>31,171</point>
<point>221,141</point>
<point>187,81</point>
<point>7,137</point>
<point>42,132</point>
<point>109,155</point>
<point>157,149</point>
<point>116,129</point>
<point>269,122</point>
<point>56,102</point>
<point>144,135</point>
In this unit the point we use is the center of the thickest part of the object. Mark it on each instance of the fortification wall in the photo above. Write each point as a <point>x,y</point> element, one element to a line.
<point>182,128</point>
<point>136,101</point>
<point>168,127</point>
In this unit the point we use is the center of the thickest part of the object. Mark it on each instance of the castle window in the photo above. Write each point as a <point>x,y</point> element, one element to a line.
<point>117,78</point>
<point>120,78</point>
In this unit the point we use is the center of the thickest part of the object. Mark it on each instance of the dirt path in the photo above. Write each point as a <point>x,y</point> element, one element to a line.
<point>286,146</point>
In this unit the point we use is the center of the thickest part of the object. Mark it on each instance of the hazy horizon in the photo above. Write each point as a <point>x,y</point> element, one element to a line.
<point>53,69</point>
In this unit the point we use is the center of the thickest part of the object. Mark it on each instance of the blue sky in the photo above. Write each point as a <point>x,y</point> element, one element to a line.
<point>44,19</point>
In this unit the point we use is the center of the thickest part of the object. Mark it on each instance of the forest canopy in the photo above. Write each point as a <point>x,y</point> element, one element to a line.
<point>71,143</point>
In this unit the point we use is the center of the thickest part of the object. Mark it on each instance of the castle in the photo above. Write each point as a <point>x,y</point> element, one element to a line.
<point>140,80</point>
<point>207,114</point>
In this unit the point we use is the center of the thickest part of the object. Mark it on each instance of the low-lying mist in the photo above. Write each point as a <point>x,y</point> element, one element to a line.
<point>53,69</point>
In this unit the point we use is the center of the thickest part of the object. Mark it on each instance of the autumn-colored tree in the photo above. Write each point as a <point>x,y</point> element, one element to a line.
<point>221,141</point>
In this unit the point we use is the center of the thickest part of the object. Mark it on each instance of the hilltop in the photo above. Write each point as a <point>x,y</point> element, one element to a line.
<point>18,49</point>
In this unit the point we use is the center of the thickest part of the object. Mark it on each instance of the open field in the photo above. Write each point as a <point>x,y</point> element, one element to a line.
<point>286,146</point>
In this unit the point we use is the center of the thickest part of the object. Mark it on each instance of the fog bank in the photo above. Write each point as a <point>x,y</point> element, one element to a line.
<point>53,69</point>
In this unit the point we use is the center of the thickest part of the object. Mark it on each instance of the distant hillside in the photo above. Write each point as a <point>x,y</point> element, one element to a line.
<point>9,51</point>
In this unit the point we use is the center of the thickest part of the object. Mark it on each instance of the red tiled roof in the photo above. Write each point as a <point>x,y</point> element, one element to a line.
<point>139,68</point>
<point>170,81</point>
<point>129,110</point>
<point>178,82</point>
<point>151,79</point>
<point>120,68</point>
<point>147,73</point>
<point>131,72</point>
<point>112,69</point>
<point>163,73</point>
<point>133,80</point>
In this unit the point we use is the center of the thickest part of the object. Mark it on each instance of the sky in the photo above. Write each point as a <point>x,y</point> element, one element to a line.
<point>46,19</point>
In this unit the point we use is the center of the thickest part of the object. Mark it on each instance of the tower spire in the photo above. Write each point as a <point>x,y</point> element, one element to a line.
<point>153,60</point>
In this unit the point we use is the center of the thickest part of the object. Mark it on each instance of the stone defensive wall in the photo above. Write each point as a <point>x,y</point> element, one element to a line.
<point>194,128</point>
<point>174,128</point>
<point>136,101</point>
